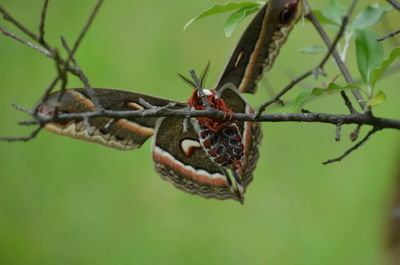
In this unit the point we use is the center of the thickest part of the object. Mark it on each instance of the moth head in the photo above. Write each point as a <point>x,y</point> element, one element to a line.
<point>290,11</point>
<point>196,99</point>
<point>199,94</point>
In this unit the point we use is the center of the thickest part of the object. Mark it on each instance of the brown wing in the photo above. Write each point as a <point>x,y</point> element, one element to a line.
<point>260,44</point>
<point>179,158</point>
<point>123,134</point>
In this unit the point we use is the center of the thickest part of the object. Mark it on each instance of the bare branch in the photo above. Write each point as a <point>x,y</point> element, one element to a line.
<point>317,70</point>
<point>355,134</point>
<point>63,66</point>
<point>71,54</point>
<point>23,139</point>
<point>28,43</point>
<point>392,34</point>
<point>346,74</point>
<point>42,23</point>
<point>82,75</point>
<point>49,89</point>
<point>338,132</point>
<point>394,3</point>
<point>84,30</point>
<point>19,25</point>
<point>340,158</point>
<point>277,97</point>
<point>47,50</point>
<point>357,118</point>
<point>62,74</point>
<point>347,102</point>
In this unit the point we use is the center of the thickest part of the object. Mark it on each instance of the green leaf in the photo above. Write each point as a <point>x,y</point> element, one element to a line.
<point>234,19</point>
<point>313,49</point>
<point>377,99</point>
<point>324,20</point>
<point>319,91</point>
<point>376,74</point>
<point>369,53</point>
<point>369,16</point>
<point>300,99</point>
<point>221,8</point>
<point>335,12</point>
<point>332,87</point>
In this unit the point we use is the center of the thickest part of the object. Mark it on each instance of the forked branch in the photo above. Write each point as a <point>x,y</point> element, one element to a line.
<point>70,65</point>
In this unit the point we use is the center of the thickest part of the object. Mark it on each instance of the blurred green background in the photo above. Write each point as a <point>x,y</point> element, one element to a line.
<point>64,201</point>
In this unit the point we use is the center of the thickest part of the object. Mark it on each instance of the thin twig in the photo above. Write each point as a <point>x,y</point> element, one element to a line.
<point>277,97</point>
<point>28,43</point>
<point>84,30</point>
<point>50,88</point>
<point>392,34</point>
<point>89,129</point>
<point>347,102</point>
<point>47,50</point>
<point>62,74</point>
<point>338,132</point>
<point>23,139</point>
<point>394,3</point>
<point>355,134</point>
<point>42,23</point>
<point>44,51</point>
<point>7,16</point>
<point>355,147</point>
<point>346,74</point>
<point>317,69</point>
<point>82,76</point>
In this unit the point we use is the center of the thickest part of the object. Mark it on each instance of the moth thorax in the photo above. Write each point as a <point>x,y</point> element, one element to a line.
<point>224,147</point>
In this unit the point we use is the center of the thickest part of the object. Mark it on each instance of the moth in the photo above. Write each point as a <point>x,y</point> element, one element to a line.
<point>194,154</point>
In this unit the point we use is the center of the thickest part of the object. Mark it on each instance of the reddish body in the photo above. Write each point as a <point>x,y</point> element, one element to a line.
<point>219,138</point>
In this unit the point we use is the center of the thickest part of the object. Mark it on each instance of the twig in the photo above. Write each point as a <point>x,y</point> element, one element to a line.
<point>49,89</point>
<point>62,74</point>
<point>277,97</point>
<point>23,139</point>
<point>347,102</point>
<point>340,158</point>
<point>392,34</point>
<point>28,43</point>
<point>82,76</point>
<point>71,54</point>
<point>42,23</point>
<point>338,132</point>
<point>346,74</point>
<point>12,20</point>
<point>317,69</point>
<point>394,3</point>
<point>354,135</point>
<point>357,118</point>
<point>89,129</point>
<point>145,104</point>
<point>46,50</point>
<point>84,30</point>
